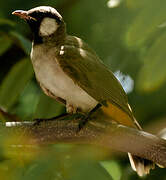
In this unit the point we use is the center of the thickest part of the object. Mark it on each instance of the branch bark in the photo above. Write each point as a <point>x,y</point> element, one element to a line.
<point>97,131</point>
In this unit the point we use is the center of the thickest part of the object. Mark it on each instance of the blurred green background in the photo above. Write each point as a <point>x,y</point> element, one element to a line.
<point>129,36</point>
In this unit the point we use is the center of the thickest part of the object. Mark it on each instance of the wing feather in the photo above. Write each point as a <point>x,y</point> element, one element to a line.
<point>87,70</point>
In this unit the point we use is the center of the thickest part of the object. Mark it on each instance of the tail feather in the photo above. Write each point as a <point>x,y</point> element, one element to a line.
<point>140,165</point>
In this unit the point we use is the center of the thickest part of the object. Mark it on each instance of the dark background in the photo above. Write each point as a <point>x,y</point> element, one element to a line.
<point>128,35</point>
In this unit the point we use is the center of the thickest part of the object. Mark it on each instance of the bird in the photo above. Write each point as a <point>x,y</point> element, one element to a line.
<point>69,71</point>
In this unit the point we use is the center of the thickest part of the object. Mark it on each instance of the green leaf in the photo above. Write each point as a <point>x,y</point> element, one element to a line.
<point>137,3</point>
<point>42,169</point>
<point>146,23</point>
<point>25,43</point>
<point>48,107</point>
<point>5,43</point>
<point>89,170</point>
<point>27,102</point>
<point>14,82</point>
<point>6,21</point>
<point>113,169</point>
<point>153,74</point>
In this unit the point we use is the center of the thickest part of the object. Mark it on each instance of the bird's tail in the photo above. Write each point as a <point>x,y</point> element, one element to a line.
<point>140,165</point>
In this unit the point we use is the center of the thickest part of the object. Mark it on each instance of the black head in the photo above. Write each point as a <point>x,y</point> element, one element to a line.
<point>45,22</point>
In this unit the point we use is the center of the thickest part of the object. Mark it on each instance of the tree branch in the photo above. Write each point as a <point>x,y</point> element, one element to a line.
<point>97,131</point>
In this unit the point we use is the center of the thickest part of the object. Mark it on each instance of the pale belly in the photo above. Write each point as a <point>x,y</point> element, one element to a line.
<point>49,73</point>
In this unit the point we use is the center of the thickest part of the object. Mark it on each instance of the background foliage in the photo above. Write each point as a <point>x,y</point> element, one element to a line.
<point>128,35</point>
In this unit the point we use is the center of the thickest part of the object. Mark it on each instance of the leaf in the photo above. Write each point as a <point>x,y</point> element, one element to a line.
<point>137,4</point>
<point>27,102</point>
<point>89,170</point>
<point>6,21</point>
<point>153,74</point>
<point>14,83</point>
<point>5,44</point>
<point>113,169</point>
<point>48,107</point>
<point>146,23</point>
<point>25,43</point>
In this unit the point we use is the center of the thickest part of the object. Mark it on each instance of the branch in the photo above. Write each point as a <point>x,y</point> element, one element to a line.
<point>96,132</point>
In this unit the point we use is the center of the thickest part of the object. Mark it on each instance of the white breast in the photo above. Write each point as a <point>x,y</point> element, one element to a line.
<point>50,74</point>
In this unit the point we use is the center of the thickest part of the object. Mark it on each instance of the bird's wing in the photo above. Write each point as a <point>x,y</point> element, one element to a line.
<point>87,71</point>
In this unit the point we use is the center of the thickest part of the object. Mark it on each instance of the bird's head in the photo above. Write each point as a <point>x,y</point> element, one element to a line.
<point>45,22</point>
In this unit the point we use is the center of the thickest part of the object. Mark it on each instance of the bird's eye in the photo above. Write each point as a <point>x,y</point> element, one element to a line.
<point>48,26</point>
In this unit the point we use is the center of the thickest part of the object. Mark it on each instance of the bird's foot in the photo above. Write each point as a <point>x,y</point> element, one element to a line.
<point>40,120</point>
<point>83,121</point>
<point>86,118</point>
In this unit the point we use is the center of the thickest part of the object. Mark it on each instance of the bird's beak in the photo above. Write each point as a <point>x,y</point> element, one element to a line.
<point>23,14</point>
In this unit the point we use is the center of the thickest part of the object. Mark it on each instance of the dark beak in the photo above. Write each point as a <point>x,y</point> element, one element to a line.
<point>23,14</point>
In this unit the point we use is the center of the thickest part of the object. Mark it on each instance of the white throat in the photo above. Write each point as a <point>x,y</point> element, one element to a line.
<point>48,26</point>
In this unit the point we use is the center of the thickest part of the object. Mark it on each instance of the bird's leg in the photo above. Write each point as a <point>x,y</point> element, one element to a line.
<point>69,108</point>
<point>84,120</point>
<point>38,121</point>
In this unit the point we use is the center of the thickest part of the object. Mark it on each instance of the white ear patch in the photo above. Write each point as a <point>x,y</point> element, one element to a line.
<point>48,26</point>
